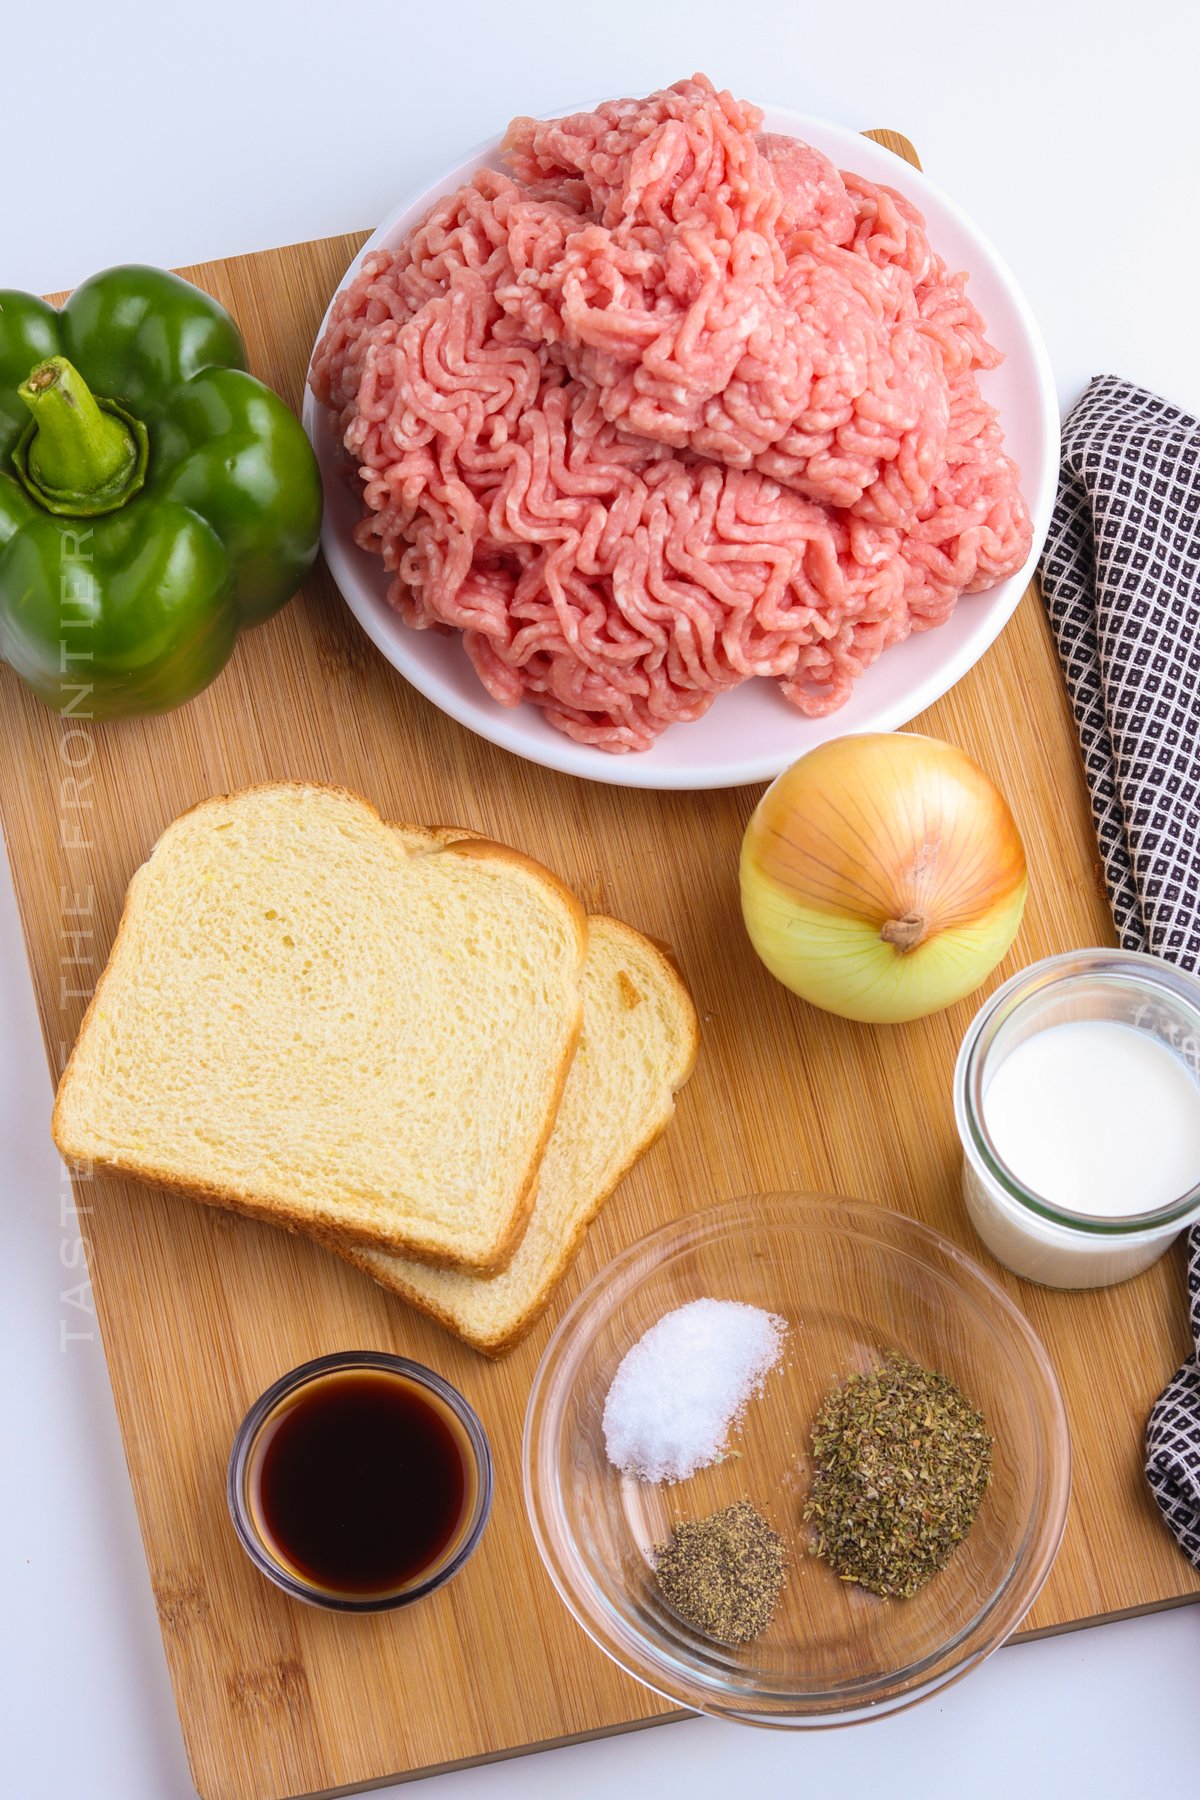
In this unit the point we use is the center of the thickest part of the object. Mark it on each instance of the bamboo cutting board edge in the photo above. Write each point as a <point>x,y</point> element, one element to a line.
<point>1111,1551</point>
<point>1035,1634</point>
<point>680,1717</point>
<point>628,1729</point>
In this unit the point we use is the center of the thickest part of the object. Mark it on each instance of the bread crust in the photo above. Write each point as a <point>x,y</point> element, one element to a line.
<point>497,1347</point>
<point>438,840</point>
<point>688,1049</point>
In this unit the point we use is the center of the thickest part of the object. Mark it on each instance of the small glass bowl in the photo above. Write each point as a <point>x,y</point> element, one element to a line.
<point>459,1415</point>
<point>854,1282</point>
<point>1024,1231</point>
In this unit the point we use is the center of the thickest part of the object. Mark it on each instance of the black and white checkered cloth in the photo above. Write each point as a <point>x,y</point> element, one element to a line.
<point>1121,578</point>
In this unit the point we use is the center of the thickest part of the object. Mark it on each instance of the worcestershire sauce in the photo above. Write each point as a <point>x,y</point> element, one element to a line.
<point>362,1483</point>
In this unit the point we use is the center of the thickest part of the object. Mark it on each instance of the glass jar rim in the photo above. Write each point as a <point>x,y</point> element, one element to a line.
<point>336,1363</point>
<point>1132,967</point>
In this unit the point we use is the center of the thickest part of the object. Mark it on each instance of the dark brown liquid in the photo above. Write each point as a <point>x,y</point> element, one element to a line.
<point>362,1482</point>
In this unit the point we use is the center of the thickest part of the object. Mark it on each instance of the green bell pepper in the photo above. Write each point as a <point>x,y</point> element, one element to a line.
<point>154,497</point>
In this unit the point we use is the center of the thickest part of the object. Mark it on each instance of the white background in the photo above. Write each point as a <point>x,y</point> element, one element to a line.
<point>170,135</point>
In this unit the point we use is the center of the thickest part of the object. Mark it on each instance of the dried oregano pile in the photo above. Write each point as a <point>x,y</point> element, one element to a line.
<point>901,1460</point>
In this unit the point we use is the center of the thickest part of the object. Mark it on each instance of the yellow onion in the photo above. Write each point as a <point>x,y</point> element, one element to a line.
<point>882,876</point>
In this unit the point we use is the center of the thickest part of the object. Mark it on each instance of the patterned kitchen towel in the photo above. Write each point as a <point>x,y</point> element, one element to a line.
<point>1121,578</point>
<point>1173,1433</point>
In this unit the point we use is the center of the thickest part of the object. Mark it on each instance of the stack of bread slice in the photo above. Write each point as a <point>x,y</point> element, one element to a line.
<point>413,1045</point>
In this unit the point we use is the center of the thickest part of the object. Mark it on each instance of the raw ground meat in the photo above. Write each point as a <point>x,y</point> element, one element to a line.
<point>672,405</point>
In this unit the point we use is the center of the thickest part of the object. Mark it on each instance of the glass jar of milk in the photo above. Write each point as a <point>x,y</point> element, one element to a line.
<point>1077,1096</point>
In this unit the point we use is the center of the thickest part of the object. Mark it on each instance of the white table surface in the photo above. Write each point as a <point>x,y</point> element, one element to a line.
<point>171,135</point>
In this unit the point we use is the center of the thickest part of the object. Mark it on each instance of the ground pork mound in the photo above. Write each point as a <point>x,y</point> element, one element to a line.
<point>670,405</point>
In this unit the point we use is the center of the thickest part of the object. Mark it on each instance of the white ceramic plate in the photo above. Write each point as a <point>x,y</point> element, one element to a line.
<point>750,734</point>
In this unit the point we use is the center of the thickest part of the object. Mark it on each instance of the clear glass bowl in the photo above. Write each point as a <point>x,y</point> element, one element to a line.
<point>854,1282</point>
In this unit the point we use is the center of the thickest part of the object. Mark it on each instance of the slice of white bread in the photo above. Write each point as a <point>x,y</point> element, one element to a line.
<point>637,1047</point>
<point>326,1021</point>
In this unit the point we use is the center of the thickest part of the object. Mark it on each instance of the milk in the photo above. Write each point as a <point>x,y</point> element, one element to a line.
<point>1077,1100</point>
<point>1096,1117</point>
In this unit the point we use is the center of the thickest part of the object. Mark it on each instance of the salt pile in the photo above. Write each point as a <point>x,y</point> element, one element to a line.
<point>685,1383</point>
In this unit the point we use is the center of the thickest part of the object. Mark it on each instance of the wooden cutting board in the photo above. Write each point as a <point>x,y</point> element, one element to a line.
<point>200,1310</point>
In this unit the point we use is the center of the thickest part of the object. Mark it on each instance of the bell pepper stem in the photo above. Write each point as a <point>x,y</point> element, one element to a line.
<point>75,447</point>
<point>77,454</point>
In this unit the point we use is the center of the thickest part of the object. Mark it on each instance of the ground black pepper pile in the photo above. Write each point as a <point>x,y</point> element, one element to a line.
<point>723,1574</point>
<point>901,1460</point>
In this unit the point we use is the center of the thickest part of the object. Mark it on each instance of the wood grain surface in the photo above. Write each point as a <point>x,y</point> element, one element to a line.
<point>201,1310</point>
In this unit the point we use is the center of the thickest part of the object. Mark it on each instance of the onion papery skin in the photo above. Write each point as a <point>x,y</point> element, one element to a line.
<point>878,828</point>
